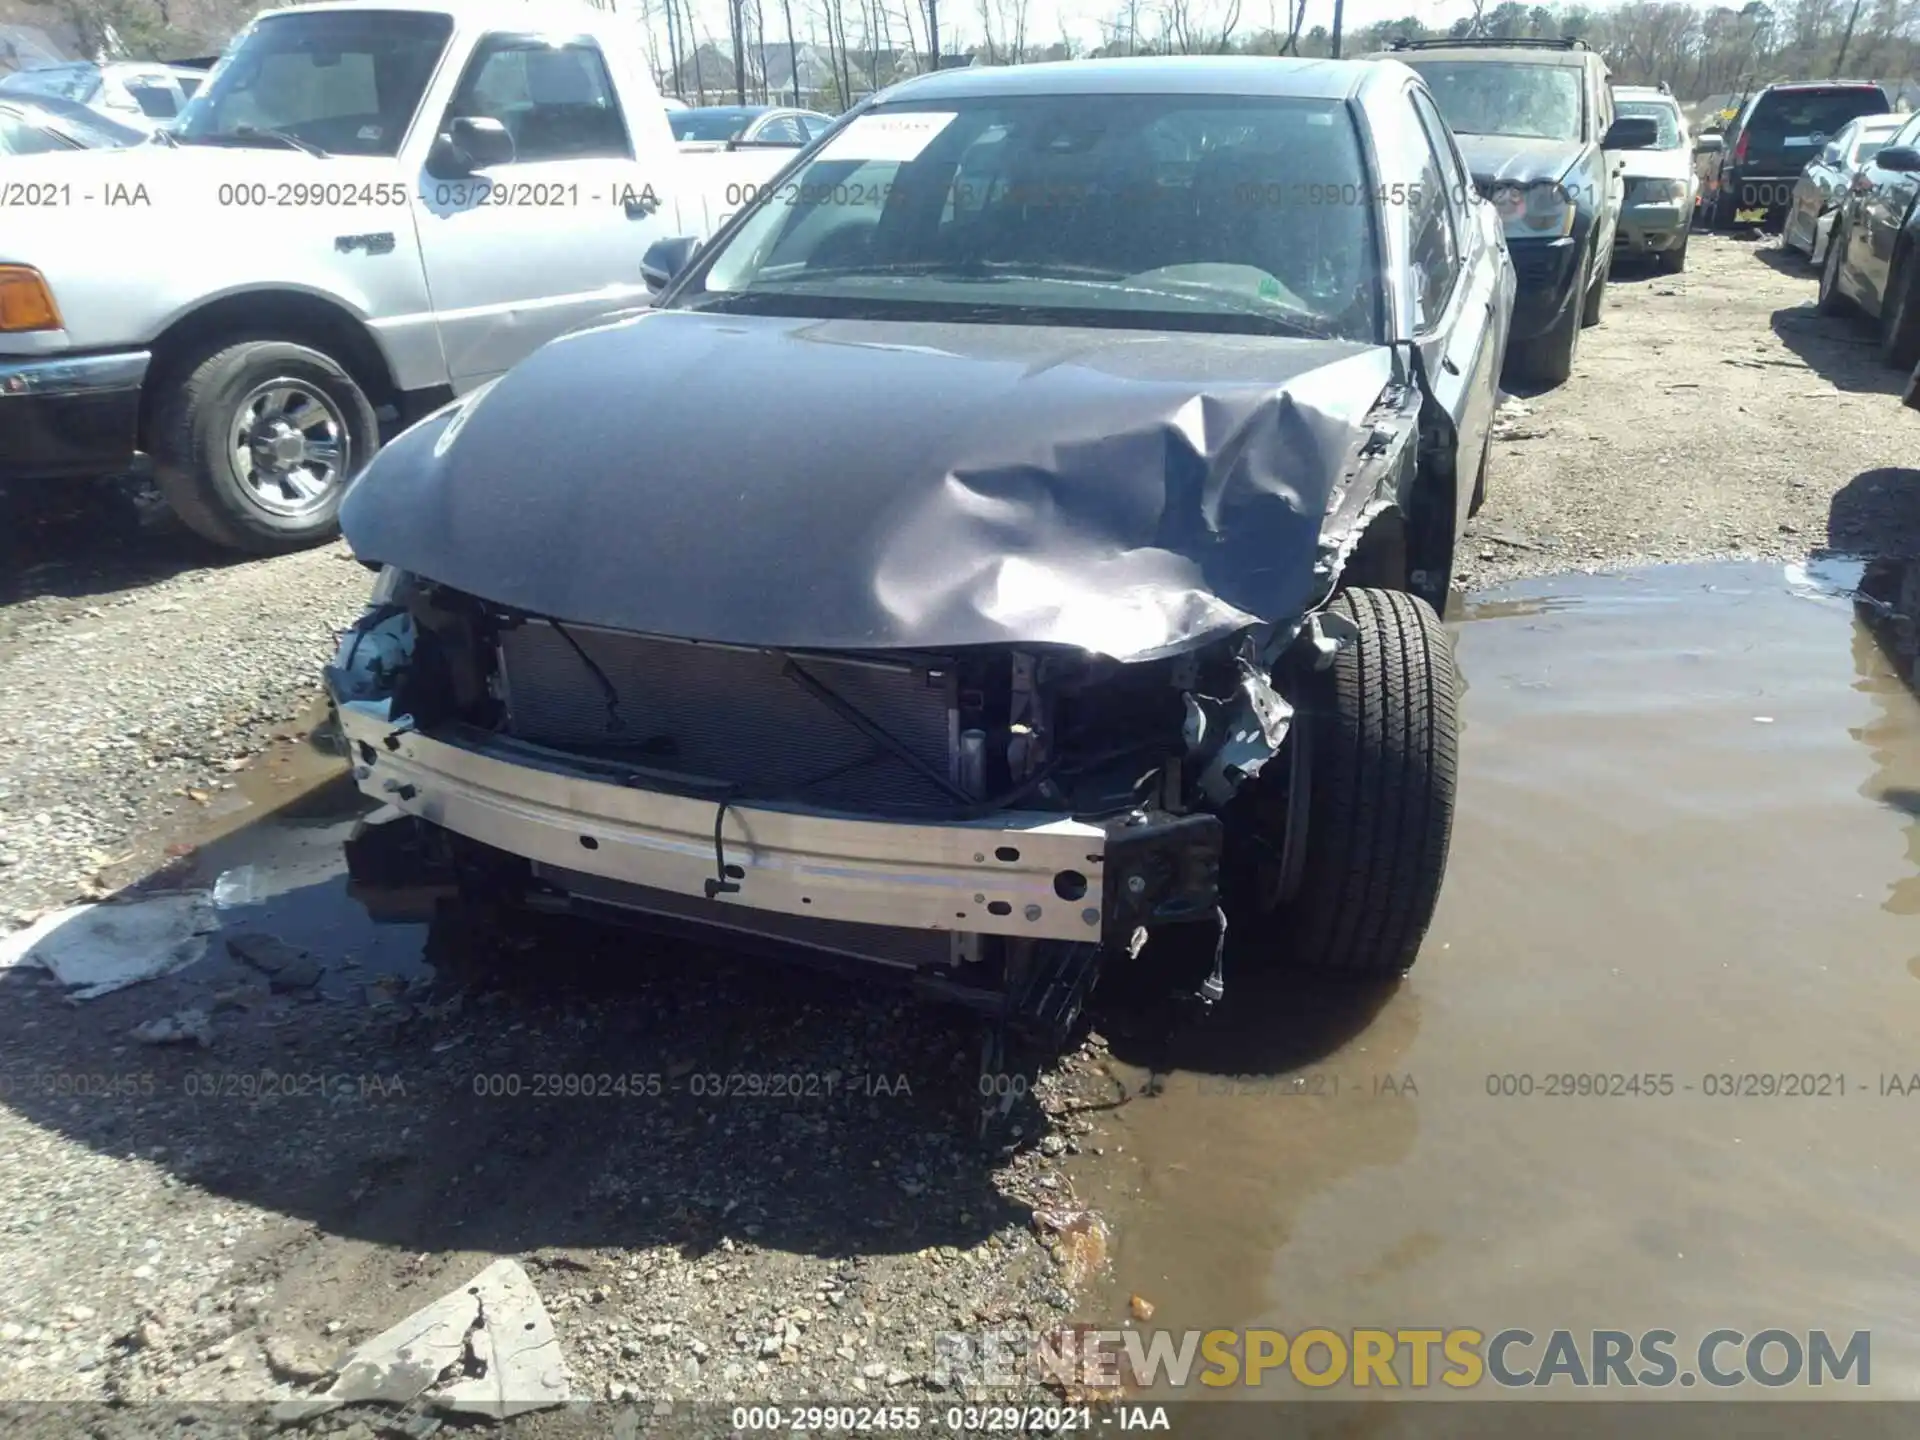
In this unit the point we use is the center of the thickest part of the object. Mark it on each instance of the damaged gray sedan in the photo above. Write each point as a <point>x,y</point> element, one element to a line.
<point>1010,548</point>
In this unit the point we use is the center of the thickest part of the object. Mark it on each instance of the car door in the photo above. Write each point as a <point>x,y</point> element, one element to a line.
<point>1459,320</point>
<point>518,253</point>
<point>1613,171</point>
<point>1877,218</point>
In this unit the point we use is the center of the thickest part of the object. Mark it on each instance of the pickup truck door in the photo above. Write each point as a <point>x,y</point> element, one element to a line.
<point>520,252</point>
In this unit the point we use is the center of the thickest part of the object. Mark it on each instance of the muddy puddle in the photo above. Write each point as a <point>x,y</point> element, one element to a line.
<point>1684,872</point>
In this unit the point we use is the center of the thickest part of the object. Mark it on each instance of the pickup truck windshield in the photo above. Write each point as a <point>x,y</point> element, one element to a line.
<point>1499,97</point>
<point>346,82</point>
<point>1201,212</point>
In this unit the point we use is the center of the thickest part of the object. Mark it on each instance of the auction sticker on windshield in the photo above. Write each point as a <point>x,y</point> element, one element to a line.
<point>897,136</point>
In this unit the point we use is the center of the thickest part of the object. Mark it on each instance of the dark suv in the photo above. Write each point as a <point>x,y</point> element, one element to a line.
<point>1535,123</point>
<point>1778,130</point>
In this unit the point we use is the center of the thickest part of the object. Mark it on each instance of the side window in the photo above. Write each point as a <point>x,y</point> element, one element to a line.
<point>1430,224</point>
<point>557,101</point>
<point>815,125</point>
<point>782,130</point>
<point>19,138</point>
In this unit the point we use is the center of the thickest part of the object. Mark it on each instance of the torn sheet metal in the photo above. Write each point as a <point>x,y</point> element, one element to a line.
<point>486,1349</point>
<point>97,949</point>
<point>849,484</point>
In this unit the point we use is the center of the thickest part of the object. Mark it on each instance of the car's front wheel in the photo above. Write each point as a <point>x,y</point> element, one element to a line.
<point>1672,262</point>
<point>1381,729</point>
<point>254,441</point>
<point>1833,300</point>
<point>1900,316</point>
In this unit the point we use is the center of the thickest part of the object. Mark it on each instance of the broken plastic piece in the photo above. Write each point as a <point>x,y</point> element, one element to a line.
<point>487,1349</point>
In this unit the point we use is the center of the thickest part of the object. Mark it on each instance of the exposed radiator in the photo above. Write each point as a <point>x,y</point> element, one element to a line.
<point>732,715</point>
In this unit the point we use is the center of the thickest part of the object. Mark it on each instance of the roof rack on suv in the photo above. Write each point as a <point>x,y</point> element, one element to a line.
<point>1491,42</point>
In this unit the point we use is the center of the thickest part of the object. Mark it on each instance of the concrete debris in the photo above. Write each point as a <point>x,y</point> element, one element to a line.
<point>301,1361</point>
<point>487,1349</point>
<point>286,967</point>
<point>183,1027</point>
<point>95,950</point>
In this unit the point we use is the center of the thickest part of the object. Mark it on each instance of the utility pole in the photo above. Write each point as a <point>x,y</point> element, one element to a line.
<point>933,33</point>
<point>1339,13</point>
<point>737,28</point>
<point>1840,62</point>
<point>793,51</point>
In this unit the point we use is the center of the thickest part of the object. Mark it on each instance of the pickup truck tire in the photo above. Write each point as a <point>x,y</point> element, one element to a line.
<point>1383,733</point>
<point>254,441</point>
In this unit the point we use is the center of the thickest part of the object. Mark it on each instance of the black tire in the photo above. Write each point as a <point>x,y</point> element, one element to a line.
<point>1548,360</point>
<point>1833,300</point>
<point>1672,262</point>
<point>1596,298</point>
<point>197,405</point>
<point>1382,751</point>
<point>1900,316</point>
<point>1480,477</point>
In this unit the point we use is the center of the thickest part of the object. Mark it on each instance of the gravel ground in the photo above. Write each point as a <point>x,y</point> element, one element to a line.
<point>1711,414</point>
<point>174,1228</point>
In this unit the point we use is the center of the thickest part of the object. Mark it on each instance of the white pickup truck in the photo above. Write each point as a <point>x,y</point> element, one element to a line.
<point>371,207</point>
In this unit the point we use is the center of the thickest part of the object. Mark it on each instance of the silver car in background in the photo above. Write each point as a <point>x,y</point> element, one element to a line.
<point>1823,184</point>
<point>1656,213</point>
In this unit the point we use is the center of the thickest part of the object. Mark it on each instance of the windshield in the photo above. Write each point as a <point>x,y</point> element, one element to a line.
<point>710,124</point>
<point>89,127</point>
<point>345,81</point>
<point>1143,211</point>
<point>1501,97</point>
<point>1870,142</point>
<point>1657,110</point>
<point>68,82</point>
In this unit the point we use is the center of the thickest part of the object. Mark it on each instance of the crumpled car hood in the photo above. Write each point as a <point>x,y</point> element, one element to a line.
<point>1517,159</point>
<point>843,484</point>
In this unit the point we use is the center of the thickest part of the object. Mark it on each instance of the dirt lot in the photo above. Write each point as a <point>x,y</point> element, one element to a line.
<point>188,1223</point>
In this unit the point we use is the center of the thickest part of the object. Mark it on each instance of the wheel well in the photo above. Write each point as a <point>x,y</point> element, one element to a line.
<point>277,314</point>
<point>1379,561</point>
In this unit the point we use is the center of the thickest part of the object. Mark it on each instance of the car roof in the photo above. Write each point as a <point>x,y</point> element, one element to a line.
<point>1151,75</point>
<point>482,14</point>
<point>1496,55</point>
<point>728,109</point>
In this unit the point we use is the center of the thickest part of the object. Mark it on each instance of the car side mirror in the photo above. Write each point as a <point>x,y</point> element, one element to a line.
<point>666,260</point>
<point>1902,159</point>
<point>1631,132</point>
<point>470,143</point>
<point>1710,144</point>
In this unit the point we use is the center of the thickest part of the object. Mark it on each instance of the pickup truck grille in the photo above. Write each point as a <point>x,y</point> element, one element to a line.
<point>731,715</point>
